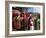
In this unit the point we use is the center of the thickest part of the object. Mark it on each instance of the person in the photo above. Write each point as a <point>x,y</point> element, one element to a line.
<point>23,22</point>
<point>29,22</point>
<point>35,22</point>
<point>38,22</point>
<point>16,20</point>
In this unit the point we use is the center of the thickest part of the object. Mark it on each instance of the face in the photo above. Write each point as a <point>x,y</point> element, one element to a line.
<point>25,16</point>
<point>30,14</point>
<point>16,11</point>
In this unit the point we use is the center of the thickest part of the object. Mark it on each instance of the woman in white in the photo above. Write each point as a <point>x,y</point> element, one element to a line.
<point>32,26</point>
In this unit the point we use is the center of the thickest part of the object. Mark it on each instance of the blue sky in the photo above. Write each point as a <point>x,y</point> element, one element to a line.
<point>34,9</point>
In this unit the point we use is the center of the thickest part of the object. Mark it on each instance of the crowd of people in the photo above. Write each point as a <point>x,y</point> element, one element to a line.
<point>25,21</point>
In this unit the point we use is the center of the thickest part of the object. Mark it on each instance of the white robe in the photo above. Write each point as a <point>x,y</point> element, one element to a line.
<point>32,27</point>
